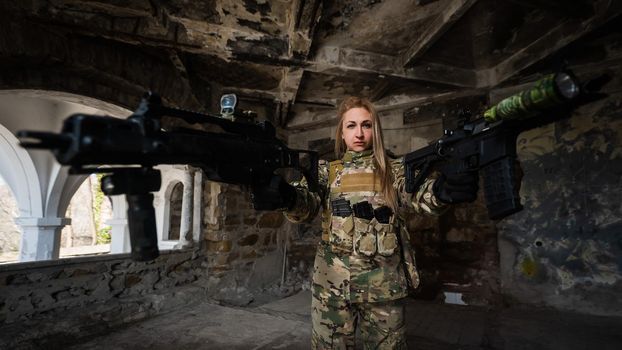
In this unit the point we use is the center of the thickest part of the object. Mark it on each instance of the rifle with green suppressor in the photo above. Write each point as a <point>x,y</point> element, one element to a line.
<point>489,143</point>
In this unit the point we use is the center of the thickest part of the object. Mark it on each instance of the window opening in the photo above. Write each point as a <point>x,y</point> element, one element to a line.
<point>175,203</point>
<point>89,210</point>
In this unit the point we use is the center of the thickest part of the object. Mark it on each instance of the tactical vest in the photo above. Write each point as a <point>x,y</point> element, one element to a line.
<point>357,228</point>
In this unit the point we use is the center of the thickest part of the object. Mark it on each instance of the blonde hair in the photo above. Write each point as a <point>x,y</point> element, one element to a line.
<point>381,160</point>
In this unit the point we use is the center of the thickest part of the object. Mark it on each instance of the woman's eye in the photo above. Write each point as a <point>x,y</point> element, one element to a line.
<point>367,126</point>
<point>350,126</point>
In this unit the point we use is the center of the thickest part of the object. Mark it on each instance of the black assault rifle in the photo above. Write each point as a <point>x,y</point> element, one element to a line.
<point>245,153</point>
<point>489,142</point>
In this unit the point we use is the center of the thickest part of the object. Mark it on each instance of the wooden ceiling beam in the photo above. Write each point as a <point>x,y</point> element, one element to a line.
<point>342,61</point>
<point>575,8</point>
<point>182,75</point>
<point>442,22</point>
<point>568,31</point>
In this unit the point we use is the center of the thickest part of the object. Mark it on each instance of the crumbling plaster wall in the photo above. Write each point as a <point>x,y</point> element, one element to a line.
<point>565,249</point>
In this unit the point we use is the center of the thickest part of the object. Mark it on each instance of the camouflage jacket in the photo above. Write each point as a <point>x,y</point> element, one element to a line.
<point>359,259</point>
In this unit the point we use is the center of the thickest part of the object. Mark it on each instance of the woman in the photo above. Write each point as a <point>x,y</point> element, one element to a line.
<point>359,278</point>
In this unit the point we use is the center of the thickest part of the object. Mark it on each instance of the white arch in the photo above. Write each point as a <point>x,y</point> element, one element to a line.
<point>19,172</point>
<point>42,188</point>
<point>62,189</point>
<point>171,175</point>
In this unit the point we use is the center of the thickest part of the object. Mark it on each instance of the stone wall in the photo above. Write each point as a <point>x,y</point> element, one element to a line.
<point>457,253</point>
<point>241,260</point>
<point>45,303</point>
<point>245,248</point>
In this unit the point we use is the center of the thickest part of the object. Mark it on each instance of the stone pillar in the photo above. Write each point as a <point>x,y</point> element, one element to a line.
<point>197,205</point>
<point>185,233</point>
<point>119,232</point>
<point>119,236</point>
<point>41,237</point>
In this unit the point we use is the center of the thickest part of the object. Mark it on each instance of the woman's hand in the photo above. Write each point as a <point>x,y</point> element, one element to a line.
<point>456,188</point>
<point>275,195</point>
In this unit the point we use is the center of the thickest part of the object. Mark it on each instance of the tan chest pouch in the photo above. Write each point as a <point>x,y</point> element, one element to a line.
<point>362,237</point>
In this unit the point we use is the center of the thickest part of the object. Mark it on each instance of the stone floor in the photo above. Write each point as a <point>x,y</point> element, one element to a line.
<point>285,324</point>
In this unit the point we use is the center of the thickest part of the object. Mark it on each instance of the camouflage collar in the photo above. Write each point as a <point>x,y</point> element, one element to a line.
<point>351,156</point>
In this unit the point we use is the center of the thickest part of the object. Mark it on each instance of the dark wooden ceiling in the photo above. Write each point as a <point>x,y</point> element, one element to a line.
<point>290,57</point>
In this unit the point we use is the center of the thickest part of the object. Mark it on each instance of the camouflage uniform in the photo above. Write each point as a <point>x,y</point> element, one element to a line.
<point>358,271</point>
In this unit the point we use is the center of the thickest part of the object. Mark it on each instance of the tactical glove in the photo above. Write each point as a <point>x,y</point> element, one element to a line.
<point>456,188</point>
<point>275,195</point>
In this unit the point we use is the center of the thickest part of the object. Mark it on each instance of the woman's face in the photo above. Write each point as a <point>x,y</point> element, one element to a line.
<point>357,129</point>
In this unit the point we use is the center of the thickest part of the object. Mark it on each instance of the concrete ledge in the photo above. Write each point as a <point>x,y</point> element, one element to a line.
<point>19,266</point>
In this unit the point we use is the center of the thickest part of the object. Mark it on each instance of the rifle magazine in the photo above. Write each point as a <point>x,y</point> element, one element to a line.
<point>501,187</point>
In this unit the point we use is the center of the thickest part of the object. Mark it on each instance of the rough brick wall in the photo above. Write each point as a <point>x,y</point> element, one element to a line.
<point>302,245</point>
<point>457,252</point>
<point>244,247</point>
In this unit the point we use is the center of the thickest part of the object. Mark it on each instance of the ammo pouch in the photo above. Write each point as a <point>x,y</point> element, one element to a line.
<point>372,237</point>
<point>361,229</point>
<point>364,236</point>
<point>342,224</point>
<point>387,239</point>
<point>340,237</point>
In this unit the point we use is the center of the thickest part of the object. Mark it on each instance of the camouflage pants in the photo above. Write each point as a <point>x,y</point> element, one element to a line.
<point>335,320</point>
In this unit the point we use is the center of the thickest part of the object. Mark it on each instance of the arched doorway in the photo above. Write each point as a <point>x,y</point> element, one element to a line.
<point>174,212</point>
